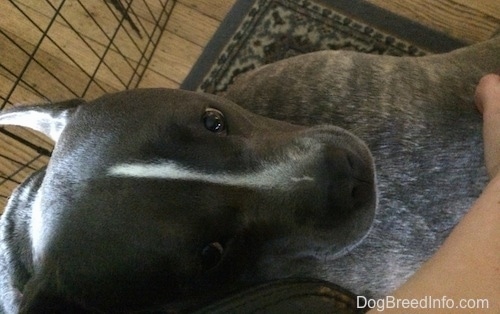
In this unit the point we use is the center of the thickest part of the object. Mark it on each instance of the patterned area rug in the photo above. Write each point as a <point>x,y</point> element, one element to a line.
<point>264,31</point>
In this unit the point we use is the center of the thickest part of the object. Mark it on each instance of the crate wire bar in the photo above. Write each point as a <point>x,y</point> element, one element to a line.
<point>62,49</point>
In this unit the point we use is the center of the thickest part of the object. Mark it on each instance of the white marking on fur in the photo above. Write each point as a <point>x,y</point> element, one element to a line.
<point>44,122</point>
<point>37,227</point>
<point>280,175</point>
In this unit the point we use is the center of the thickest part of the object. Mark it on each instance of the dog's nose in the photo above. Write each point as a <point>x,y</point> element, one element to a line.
<point>350,182</point>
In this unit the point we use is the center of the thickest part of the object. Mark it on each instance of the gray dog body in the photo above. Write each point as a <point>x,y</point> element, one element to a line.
<point>155,196</point>
<point>418,118</point>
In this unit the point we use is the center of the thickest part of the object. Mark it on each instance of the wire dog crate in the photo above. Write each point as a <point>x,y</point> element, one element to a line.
<point>62,49</point>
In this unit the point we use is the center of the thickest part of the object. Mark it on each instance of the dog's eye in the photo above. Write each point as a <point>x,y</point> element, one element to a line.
<point>213,120</point>
<point>211,255</point>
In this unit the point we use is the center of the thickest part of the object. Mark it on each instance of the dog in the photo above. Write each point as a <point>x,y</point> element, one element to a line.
<point>154,195</point>
<point>160,196</point>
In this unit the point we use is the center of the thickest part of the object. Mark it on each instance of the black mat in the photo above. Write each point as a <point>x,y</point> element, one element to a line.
<point>258,32</point>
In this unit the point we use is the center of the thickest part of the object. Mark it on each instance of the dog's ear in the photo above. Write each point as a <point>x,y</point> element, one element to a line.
<point>50,119</point>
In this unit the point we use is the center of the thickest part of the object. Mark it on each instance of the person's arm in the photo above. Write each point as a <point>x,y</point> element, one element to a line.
<point>467,266</point>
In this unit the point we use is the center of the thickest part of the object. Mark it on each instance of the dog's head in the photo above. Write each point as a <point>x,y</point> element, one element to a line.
<point>159,195</point>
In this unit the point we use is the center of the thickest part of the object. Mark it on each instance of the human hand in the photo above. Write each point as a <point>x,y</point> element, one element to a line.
<point>488,103</point>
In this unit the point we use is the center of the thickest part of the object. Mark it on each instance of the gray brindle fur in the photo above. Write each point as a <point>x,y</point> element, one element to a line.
<point>145,202</point>
<point>417,116</point>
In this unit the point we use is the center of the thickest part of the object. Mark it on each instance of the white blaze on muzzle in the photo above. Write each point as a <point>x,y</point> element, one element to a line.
<point>281,175</point>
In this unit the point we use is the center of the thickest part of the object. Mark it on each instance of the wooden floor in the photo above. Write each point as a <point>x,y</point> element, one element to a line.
<point>191,25</point>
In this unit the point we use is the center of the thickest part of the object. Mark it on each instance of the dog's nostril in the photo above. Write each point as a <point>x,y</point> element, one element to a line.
<point>361,193</point>
<point>349,181</point>
<point>347,196</point>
